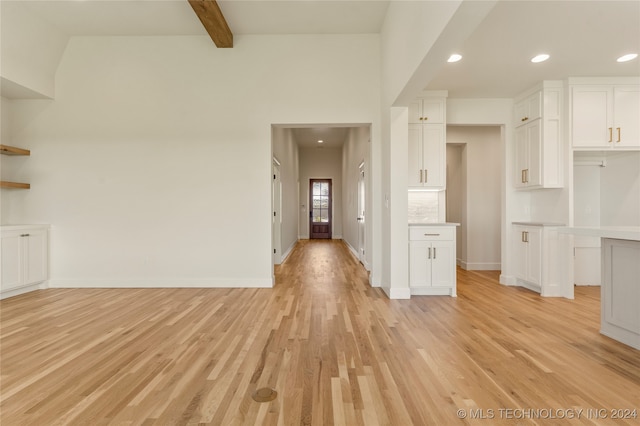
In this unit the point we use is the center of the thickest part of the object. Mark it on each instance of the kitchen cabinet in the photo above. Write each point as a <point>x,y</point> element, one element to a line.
<point>528,255</point>
<point>605,116</point>
<point>430,110</point>
<point>432,260</point>
<point>536,251</point>
<point>24,256</point>
<point>427,156</point>
<point>538,136</point>
<point>427,142</point>
<point>528,109</point>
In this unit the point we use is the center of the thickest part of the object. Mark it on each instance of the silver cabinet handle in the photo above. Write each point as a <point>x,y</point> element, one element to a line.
<point>431,235</point>
<point>420,175</point>
<point>429,257</point>
<point>434,252</point>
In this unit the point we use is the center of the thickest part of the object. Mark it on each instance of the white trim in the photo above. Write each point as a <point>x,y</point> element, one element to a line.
<point>21,290</point>
<point>432,291</point>
<point>467,266</point>
<point>508,280</point>
<point>397,293</point>
<point>162,283</point>
<point>288,251</point>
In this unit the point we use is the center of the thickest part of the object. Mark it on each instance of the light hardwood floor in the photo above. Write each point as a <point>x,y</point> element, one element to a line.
<point>336,350</point>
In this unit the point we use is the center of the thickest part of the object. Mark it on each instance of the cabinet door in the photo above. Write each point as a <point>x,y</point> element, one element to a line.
<point>534,255</point>
<point>534,153</point>
<point>12,261</point>
<point>36,254</point>
<point>415,171</point>
<point>522,157</point>
<point>433,111</point>
<point>626,112</point>
<point>419,264</point>
<point>591,117</point>
<point>442,264</point>
<point>415,112</point>
<point>520,252</point>
<point>434,155</point>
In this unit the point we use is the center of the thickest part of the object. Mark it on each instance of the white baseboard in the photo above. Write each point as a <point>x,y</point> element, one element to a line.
<point>508,280</point>
<point>476,266</point>
<point>163,283</point>
<point>288,252</point>
<point>397,292</point>
<point>22,290</point>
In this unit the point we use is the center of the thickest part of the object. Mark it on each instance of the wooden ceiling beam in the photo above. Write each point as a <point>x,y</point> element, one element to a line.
<point>213,20</point>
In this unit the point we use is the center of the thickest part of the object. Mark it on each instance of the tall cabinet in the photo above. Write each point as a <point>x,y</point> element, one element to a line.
<point>427,141</point>
<point>538,136</point>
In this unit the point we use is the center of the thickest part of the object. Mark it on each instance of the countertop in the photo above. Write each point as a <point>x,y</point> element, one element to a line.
<point>433,224</point>
<point>539,223</point>
<point>617,232</point>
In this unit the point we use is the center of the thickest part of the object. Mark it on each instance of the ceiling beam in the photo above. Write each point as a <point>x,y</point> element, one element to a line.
<point>213,20</point>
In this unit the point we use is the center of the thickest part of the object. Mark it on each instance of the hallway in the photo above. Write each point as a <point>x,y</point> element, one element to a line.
<point>336,351</point>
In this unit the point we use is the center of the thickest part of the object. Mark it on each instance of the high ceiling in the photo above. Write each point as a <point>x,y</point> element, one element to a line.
<point>583,37</point>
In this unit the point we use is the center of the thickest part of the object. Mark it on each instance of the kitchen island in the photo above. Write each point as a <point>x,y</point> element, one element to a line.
<point>620,288</point>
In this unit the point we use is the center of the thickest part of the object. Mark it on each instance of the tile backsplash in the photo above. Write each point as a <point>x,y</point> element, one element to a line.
<point>423,207</point>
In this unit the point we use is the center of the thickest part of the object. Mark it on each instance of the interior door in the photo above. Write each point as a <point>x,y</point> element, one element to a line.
<point>320,212</point>
<point>276,218</point>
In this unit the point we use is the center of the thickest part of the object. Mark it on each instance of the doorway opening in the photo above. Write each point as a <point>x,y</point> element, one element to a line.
<point>320,226</point>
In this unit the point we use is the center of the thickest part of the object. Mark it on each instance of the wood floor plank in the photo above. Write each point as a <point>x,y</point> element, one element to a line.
<point>336,350</point>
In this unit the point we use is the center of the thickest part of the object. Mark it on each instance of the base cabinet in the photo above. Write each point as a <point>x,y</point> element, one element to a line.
<point>432,260</point>
<point>537,252</point>
<point>25,257</point>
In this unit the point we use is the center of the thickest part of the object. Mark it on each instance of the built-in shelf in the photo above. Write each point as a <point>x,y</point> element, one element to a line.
<point>14,185</point>
<point>12,150</point>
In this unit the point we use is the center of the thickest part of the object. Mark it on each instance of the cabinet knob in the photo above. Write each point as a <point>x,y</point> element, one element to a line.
<point>24,235</point>
<point>421,118</point>
<point>425,118</point>
<point>524,118</point>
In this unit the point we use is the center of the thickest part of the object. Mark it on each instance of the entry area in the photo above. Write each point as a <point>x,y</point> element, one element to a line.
<point>320,212</point>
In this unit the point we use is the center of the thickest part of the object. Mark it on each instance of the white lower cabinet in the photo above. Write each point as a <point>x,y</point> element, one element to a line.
<point>537,256</point>
<point>25,257</point>
<point>432,260</point>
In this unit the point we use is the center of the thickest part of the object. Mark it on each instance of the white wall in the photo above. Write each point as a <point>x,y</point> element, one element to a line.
<point>456,199</point>
<point>482,162</point>
<point>321,163</point>
<point>620,190</point>
<point>153,164</point>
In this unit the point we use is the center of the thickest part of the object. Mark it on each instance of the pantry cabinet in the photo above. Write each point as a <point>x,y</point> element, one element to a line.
<point>432,260</point>
<point>605,116</point>
<point>24,256</point>
<point>538,137</point>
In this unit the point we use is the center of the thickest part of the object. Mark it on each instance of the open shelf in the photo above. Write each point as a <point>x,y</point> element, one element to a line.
<point>12,150</point>
<point>14,185</point>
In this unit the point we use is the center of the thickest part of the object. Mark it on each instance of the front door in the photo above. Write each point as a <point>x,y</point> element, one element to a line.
<point>320,212</point>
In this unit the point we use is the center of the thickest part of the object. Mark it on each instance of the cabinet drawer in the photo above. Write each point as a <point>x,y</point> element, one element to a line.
<point>433,233</point>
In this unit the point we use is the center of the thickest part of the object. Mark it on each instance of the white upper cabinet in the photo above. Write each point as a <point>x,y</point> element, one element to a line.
<point>427,143</point>
<point>427,110</point>
<point>528,109</point>
<point>605,116</point>
<point>538,137</point>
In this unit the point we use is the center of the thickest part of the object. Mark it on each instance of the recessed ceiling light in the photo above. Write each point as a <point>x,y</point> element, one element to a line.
<point>454,58</point>
<point>320,141</point>
<point>627,57</point>
<point>540,58</point>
